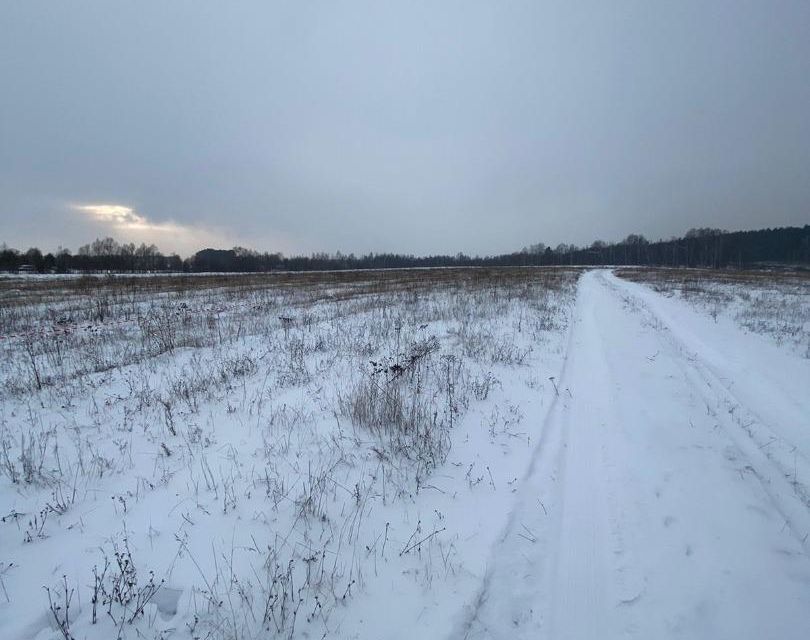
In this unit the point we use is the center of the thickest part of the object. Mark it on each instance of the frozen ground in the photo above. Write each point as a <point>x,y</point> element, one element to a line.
<point>511,454</point>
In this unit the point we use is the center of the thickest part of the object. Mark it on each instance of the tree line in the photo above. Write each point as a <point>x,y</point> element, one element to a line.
<point>103,254</point>
<point>704,247</point>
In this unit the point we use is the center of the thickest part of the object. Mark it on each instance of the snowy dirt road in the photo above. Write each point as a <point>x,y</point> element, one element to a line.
<point>669,495</point>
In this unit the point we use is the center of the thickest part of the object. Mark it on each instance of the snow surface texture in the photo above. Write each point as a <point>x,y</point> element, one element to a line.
<point>490,459</point>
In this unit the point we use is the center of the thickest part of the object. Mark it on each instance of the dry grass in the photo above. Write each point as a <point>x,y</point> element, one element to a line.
<point>304,412</point>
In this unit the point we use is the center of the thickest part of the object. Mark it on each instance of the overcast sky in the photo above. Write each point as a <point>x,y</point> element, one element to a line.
<point>416,127</point>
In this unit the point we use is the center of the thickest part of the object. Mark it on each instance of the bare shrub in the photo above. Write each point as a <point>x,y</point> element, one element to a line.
<point>398,401</point>
<point>23,459</point>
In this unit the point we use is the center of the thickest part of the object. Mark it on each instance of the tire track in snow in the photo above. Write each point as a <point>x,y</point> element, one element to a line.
<point>562,505</point>
<point>778,468</point>
<point>602,542</point>
<point>584,569</point>
<point>528,506</point>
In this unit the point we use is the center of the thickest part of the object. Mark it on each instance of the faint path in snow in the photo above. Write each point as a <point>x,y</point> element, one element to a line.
<point>667,497</point>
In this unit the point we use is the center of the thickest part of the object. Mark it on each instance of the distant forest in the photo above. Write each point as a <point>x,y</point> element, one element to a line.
<point>707,248</point>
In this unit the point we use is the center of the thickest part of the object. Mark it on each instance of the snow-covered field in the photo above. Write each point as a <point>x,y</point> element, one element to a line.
<point>771,303</point>
<point>459,453</point>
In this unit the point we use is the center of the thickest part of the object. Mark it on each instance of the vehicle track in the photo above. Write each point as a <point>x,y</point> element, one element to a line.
<point>651,508</point>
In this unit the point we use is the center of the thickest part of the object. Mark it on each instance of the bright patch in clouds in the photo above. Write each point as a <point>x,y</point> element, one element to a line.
<point>117,215</point>
<point>126,224</point>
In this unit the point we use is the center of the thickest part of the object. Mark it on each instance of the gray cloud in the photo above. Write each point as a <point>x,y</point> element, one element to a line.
<point>420,127</point>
